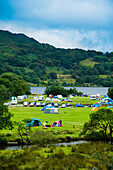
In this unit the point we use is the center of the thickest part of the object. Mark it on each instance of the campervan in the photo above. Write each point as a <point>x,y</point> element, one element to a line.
<point>20,97</point>
<point>14,101</point>
<point>41,98</point>
<point>94,97</point>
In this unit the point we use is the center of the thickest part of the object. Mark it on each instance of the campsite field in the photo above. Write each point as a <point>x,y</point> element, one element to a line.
<point>69,116</point>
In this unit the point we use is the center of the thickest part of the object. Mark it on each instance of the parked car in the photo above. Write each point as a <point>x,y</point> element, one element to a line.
<point>66,100</point>
<point>68,105</point>
<point>48,99</point>
<point>63,105</point>
<point>38,104</point>
<point>56,104</point>
<point>43,104</point>
<point>41,98</point>
<point>25,104</point>
<point>32,104</point>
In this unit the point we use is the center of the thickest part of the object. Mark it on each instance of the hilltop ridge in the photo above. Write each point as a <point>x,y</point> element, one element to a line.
<point>43,64</point>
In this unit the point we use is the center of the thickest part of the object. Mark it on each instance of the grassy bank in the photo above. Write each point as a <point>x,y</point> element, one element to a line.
<point>96,156</point>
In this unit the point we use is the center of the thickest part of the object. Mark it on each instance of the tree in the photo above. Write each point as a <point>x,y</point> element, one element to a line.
<point>15,84</point>
<point>55,90</point>
<point>101,121</point>
<point>110,93</point>
<point>5,116</point>
<point>52,75</point>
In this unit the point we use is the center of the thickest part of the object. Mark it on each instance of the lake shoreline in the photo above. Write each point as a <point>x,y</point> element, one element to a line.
<point>85,90</point>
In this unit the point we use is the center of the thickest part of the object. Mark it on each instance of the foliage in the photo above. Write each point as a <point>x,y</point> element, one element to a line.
<point>12,85</point>
<point>23,132</point>
<point>52,75</point>
<point>105,160</point>
<point>55,90</point>
<point>101,121</point>
<point>30,59</point>
<point>5,116</point>
<point>110,93</point>
<point>96,156</point>
<point>41,137</point>
<point>3,141</point>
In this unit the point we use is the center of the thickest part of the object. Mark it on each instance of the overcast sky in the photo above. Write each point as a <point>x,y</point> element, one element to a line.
<point>86,24</point>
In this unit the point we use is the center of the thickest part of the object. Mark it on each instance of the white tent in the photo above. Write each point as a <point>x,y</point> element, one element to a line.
<point>20,97</point>
<point>60,96</point>
<point>51,110</point>
<point>48,99</point>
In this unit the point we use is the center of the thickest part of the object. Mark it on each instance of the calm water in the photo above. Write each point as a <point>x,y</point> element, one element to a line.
<point>85,90</point>
<point>27,146</point>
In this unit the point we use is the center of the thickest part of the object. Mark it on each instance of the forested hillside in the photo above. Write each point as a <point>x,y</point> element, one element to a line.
<point>43,64</point>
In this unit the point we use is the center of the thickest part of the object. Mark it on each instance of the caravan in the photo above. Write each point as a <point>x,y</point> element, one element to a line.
<point>94,97</point>
<point>41,98</point>
<point>14,101</point>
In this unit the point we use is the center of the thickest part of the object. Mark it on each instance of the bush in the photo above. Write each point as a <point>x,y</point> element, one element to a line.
<point>42,137</point>
<point>3,141</point>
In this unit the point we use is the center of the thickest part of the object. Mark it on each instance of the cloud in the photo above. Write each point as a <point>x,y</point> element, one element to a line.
<point>86,24</point>
<point>83,14</point>
<point>95,40</point>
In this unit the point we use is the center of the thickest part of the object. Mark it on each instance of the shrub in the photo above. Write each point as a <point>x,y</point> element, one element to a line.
<point>42,137</point>
<point>3,141</point>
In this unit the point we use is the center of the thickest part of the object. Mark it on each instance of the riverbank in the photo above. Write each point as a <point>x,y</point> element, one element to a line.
<point>80,156</point>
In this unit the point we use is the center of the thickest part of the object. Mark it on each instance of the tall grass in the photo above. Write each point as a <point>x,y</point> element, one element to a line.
<point>81,156</point>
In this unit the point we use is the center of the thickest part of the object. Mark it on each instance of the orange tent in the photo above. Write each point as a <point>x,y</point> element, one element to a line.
<point>94,109</point>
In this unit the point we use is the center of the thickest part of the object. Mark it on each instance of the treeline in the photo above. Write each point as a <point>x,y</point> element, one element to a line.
<point>32,60</point>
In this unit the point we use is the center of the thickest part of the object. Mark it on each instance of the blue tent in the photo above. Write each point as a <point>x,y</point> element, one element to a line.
<point>109,107</point>
<point>47,107</point>
<point>55,97</point>
<point>108,99</point>
<point>96,105</point>
<point>79,105</point>
<point>34,122</point>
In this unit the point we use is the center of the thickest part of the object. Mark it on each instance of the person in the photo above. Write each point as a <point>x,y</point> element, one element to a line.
<point>44,124</point>
<point>73,126</point>
<point>60,122</point>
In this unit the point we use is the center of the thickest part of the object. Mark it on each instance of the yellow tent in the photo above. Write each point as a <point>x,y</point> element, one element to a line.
<point>94,109</point>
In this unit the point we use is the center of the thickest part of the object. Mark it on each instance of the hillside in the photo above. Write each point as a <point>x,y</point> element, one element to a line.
<point>43,64</point>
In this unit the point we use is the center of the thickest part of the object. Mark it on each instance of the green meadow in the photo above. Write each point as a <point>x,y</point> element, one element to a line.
<point>70,116</point>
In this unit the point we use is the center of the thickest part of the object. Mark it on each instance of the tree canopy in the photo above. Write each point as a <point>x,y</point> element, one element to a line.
<point>5,116</point>
<point>100,121</point>
<point>110,93</point>
<point>12,85</point>
<point>56,90</point>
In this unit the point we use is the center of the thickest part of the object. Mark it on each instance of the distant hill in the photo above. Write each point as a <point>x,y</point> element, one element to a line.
<point>43,64</point>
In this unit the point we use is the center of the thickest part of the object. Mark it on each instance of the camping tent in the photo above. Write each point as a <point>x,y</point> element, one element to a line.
<point>57,123</point>
<point>53,110</point>
<point>34,122</point>
<point>94,109</point>
<point>96,105</point>
<point>79,105</point>
<point>48,106</point>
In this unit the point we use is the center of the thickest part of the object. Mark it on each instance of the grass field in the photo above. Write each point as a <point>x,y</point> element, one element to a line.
<point>70,116</point>
<point>88,62</point>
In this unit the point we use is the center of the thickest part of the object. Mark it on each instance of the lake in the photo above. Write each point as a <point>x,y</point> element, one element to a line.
<point>85,90</point>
